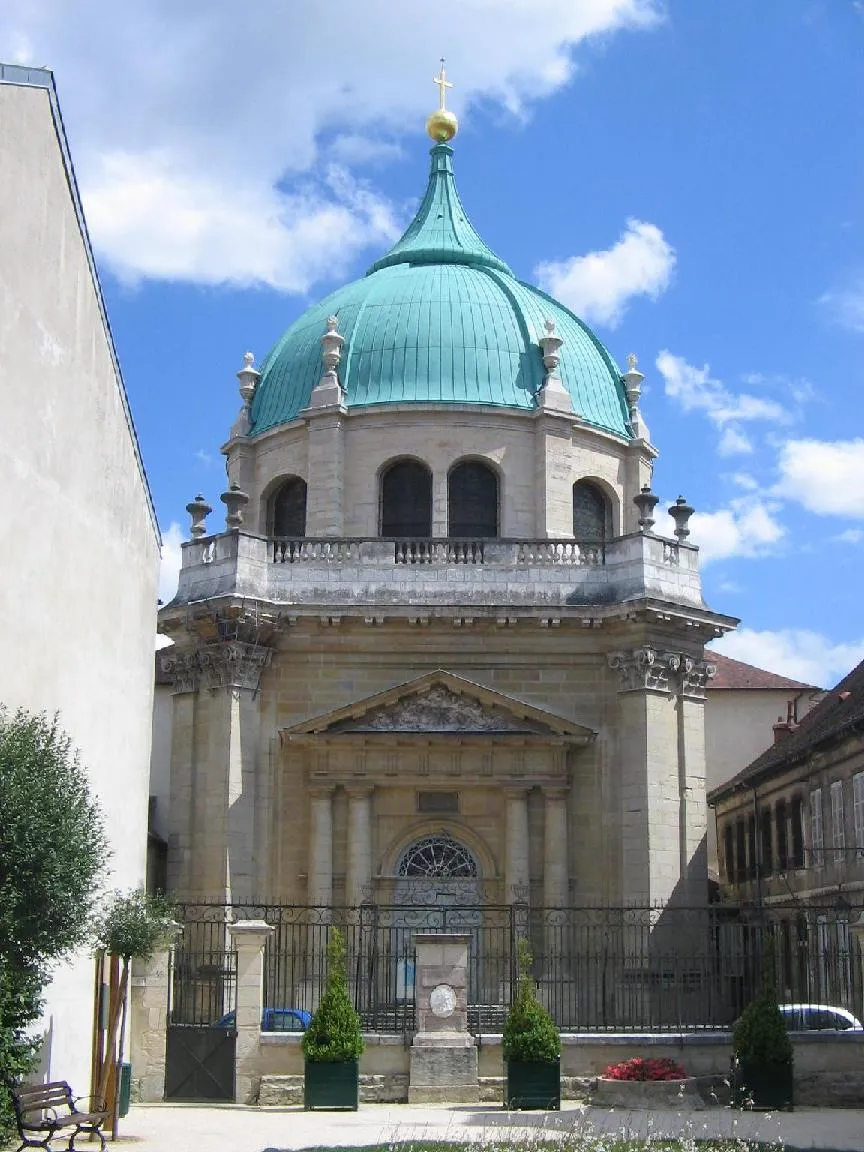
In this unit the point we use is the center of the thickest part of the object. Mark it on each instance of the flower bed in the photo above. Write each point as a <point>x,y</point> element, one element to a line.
<point>661,1068</point>
<point>639,1083</point>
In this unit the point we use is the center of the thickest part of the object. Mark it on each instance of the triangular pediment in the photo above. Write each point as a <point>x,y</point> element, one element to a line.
<point>442,703</point>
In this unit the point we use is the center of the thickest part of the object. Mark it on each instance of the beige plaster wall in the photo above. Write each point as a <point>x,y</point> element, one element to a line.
<point>80,549</point>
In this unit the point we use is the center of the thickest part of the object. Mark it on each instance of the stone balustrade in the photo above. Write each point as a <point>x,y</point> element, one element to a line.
<point>412,572</point>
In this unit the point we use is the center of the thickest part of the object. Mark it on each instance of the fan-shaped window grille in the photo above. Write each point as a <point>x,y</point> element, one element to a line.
<point>289,508</point>
<point>406,500</point>
<point>437,856</point>
<point>472,501</point>
<point>591,513</point>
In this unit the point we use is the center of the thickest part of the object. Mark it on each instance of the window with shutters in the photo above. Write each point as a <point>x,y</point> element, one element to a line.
<point>740,851</point>
<point>838,828</point>
<point>288,509</point>
<point>766,830</point>
<point>406,499</point>
<point>472,501</point>
<point>817,836</point>
<point>782,836</point>
<point>796,858</point>
<point>729,852</point>
<point>858,812</point>
<point>591,513</point>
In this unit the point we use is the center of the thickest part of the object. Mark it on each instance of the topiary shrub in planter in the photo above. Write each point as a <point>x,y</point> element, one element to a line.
<point>762,1061</point>
<point>532,1047</point>
<point>333,1042</point>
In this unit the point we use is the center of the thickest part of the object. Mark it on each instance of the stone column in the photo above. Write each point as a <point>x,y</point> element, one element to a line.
<point>249,938</point>
<point>320,881</point>
<point>516,875</point>
<point>359,878</point>
<point>148,1025</point>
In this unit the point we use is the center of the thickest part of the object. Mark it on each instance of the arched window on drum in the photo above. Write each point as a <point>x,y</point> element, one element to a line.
<point>592,513</point>
<point>288,509</point>
<point>472,501</point>
<point>406,500</point>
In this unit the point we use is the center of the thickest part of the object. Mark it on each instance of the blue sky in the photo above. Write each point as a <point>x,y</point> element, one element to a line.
<point>688,176</point>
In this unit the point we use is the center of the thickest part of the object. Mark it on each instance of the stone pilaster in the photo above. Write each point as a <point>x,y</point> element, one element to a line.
<point>148,1023</point>
<point>359,877</point>
<point>212,839</point>
<point>555,859</point>
<point>320,881</point>
<point>325,501</point>
<point>661,755</point>
<point>553,475</point>
<point>249,938</point>
<point>516,876</point>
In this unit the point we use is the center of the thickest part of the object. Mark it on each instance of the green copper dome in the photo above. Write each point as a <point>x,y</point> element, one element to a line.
<point>440,320</point>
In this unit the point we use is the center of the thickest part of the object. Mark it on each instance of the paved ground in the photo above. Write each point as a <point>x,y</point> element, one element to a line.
<point>228,1128</point>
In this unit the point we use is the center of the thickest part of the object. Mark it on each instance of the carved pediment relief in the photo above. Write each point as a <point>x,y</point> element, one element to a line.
<point>437,710</point>
<point>441,703</point>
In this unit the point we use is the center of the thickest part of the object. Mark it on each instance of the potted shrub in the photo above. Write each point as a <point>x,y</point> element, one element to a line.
<point>762,1061</point>
<point>532,1046</point>
<point>333,1042</point>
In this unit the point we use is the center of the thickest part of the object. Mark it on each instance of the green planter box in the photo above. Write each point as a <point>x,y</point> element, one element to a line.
<point>331,1085</point>
<point>760,1085</point>
<point>532,1085</point>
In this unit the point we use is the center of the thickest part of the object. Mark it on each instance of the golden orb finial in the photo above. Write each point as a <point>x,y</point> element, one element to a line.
<point>442,125</point>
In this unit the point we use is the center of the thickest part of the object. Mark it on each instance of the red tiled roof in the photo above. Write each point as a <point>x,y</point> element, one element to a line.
<point>737,674</point>
<point>839,711</point>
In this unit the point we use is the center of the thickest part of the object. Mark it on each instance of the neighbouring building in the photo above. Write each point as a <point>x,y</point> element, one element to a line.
<point>742,706</point>
<point>79,571</point>
<point>790,832</point>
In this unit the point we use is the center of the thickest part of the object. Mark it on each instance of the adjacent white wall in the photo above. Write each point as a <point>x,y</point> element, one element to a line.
<point>79,547</point>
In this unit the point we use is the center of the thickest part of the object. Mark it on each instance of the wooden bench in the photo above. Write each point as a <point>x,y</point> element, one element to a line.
<point>46,1111</point>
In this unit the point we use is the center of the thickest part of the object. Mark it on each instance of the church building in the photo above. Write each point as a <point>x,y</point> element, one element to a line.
<point>438,654</point>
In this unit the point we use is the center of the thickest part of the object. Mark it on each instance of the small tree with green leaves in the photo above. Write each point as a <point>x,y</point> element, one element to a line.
<point>530,1034</point>
<point>760,1035</point>
<point>334,1032</point>
<point>52,849</point>
<point>133,927</point>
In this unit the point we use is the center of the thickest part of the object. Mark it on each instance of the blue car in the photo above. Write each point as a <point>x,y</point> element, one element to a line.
<point>274,1020</point>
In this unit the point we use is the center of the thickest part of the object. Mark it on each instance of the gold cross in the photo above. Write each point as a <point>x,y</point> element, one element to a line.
<point>442,82</point>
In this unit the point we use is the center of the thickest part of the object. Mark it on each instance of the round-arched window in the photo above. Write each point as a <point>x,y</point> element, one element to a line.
<point>406,499</point>
<point>288,515</point>
<point>437,856</point>
<point>591,513</point>
<point>472,501</point>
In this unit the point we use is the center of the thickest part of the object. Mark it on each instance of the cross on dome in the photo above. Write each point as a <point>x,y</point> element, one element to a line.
<point>443,84</point>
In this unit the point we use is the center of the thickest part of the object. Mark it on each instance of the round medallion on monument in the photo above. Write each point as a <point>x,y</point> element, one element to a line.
<point>442,1000</point>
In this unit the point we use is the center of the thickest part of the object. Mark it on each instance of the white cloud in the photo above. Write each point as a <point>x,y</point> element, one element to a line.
<point>845,306</point>
<point>600,285</point>
<point>850,536</point>
<point>826,477</point>
<point>169,571</point>
<point>200,129</point>
<point>794,652</point>
<point>734,443</point>
<point>697,391</point>
<point>747,527</point>
<point>745,480</point>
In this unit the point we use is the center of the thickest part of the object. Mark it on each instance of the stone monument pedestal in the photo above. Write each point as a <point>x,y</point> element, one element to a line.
<point>443,1065</point>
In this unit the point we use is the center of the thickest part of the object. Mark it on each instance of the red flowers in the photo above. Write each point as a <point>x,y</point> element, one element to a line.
<point>661,1068</point>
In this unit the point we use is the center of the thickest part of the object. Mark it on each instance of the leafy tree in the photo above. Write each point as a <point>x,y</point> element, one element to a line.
<point>334,1033</point>
<point>52,848</point>
<point>530,1034</point>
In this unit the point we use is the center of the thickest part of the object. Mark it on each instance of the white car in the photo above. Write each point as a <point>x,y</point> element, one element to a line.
<point>819,1017</point>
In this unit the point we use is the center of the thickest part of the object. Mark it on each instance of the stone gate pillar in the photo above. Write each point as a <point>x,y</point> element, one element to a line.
<point>249,938</point>
<point>443,1065</point>
<point>148,1025</point>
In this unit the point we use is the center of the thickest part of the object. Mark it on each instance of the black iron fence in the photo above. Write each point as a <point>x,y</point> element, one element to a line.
<point>596,969</point>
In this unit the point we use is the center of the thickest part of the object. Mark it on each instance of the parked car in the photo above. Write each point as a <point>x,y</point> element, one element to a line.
<point>819,1017</point>
<point>275,1020</point>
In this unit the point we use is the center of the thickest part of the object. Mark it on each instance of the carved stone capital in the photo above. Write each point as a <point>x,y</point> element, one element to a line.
<point>228,664</point>
<point>695,675</point>
<point>642,669</point>
<point>646,668</point>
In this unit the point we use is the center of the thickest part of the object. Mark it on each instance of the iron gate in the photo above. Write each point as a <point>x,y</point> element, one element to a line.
<point>201,1038</point>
